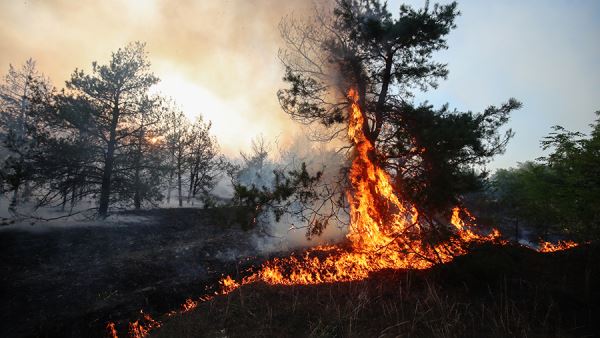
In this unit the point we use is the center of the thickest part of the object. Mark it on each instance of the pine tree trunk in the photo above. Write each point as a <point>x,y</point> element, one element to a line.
<point>169,186</point>
<point>137,201</point>
<point>179,164</point>
<point>73,195</point>
<point>108,164</point>
<point>170,183</point>
<point>137,198</point>
<point>64,201</point>
<point>179,184</point>
<point>189,196</point>
<point>13,203</point>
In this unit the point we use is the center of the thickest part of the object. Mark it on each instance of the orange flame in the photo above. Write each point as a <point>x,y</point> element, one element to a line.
<point>385,232</point>
<point>139,330</point>
<point>112,332</point>
<point>228,285</point>
<point>384,229</point>
<point>561,245</point>
<point>188,305</point>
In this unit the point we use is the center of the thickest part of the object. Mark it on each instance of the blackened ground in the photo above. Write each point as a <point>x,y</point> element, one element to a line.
<point>494,291</point>
<point>70,281</point>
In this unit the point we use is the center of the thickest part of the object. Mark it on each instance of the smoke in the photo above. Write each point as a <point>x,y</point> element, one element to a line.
<point>289,231</point>
<point>216,58</point>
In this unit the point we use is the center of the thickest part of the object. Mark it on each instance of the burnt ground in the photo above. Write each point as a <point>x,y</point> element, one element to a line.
<point>69,281</point>
<point>494,291</point>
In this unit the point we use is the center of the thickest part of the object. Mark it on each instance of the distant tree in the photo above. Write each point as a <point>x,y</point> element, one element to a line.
<point>67,168</point>
<point>114,92</point>
<point>524,194</point>
<point>559,193</point>
<point>102,137</point>
<point>204,162</point>
<point>431,154</point>
<point>177,140</point>
<point>138,177</point>
<point>70,154</point>
<point>575,158</point>
<point>23,97</point>
<point>257,167</point>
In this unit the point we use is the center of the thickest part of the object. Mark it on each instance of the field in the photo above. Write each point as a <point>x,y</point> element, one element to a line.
<point>71,280</point>
<point>492,292</point>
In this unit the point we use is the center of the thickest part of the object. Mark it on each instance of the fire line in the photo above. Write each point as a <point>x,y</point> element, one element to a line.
<point>385,232</point>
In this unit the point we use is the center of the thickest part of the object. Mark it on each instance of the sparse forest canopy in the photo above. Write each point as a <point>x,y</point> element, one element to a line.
<point>104,137</point>
<point>431,153</point>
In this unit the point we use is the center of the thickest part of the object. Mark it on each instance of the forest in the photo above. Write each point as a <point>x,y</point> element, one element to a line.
<point>103,137</point>
<point>122,215</point>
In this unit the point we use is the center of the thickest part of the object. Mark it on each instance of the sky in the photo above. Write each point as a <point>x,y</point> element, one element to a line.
<point>218,58</point>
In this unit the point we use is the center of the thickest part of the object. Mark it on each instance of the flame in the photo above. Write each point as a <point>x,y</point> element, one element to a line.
<point>189,305</point>
<point>139,330</point>
<point>385,232</point>
<point>228,284</point>
<point>112,332</point>
<point>561,245</point>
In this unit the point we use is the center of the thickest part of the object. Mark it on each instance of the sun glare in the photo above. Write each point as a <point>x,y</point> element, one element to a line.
<point>196,100</point>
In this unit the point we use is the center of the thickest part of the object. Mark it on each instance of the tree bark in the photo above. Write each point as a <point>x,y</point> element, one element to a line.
<point>189,196</point>
<point>73,194</point>
<point>385,83</point>
<point>137,198</point>
<point>108,164</point>
<point>179,193</point>
<point>15,199</point>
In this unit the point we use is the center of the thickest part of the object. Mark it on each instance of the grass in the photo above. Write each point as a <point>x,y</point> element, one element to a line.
<point>492,292</point>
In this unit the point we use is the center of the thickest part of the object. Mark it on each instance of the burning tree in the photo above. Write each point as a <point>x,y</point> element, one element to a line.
<point>353,73</point>
<point>431,155</point>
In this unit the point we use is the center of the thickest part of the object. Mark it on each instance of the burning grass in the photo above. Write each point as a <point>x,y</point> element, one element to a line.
<point>386,233</point>
<point>496,291</point>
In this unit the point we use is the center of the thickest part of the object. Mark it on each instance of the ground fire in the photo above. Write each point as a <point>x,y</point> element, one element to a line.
<point>385,232</point>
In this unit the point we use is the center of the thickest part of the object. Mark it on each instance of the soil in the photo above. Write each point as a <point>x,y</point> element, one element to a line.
<point>70,281</point>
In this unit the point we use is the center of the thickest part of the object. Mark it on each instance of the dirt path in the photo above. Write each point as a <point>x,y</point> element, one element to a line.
<point>69,281</point>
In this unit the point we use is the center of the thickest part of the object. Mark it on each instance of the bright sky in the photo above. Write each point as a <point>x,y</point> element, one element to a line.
<point>218,58</point>
<point>545,53</point>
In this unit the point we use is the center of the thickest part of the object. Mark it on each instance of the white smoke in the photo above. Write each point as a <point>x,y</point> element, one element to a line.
<point>289,232</point>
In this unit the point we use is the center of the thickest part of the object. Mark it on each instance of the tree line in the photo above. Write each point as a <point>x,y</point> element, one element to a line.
<point>558,193</point>
<point>104,137</point>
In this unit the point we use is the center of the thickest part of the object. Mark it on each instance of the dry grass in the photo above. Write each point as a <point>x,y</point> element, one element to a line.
<point>492,293</point>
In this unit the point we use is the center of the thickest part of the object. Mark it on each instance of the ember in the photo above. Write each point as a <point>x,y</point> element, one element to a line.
<point>139,329</point>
